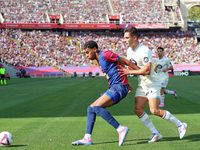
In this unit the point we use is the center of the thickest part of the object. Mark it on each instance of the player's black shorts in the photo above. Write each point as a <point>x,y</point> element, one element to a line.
<point>2,76</point>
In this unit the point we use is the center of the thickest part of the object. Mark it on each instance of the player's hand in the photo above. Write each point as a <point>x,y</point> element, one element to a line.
<point>123,71</point>
<point>164,70</point>
<point>130,89</point>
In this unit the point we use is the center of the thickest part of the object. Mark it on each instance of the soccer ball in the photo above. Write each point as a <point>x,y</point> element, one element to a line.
<point>6,138</point>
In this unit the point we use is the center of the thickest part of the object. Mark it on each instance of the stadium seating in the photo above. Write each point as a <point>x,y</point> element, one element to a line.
<point>13,53</point>
<point>82,11</point>
<point>145,11</point>
<point>24,11</point>
<point>62,51</point>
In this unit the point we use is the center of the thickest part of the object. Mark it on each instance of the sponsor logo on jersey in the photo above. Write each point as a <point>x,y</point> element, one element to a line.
<point>133,61</point>
<point>146,59</point>
<point>159,66</point>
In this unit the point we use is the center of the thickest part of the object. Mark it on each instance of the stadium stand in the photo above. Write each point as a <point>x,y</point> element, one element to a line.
<point>61,51</point>
<point>24,11</point>
<point>82,11</point>
<point>152,11</point>
<point>13,53</point>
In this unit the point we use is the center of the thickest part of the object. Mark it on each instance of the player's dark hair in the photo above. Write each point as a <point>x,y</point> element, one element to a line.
<point>90,44</point>
<point>132,30</point>
<point>160,48</point>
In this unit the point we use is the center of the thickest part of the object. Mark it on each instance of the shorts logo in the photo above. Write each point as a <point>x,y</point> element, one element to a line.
<point>133,61</point>
<point>146,59</point>
<point>149,92</point>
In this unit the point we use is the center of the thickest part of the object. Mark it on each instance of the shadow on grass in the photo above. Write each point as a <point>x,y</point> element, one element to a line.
<point>193,137</point>
<point>189,138</point>
<point>16,146</point>
<point>109,142</point>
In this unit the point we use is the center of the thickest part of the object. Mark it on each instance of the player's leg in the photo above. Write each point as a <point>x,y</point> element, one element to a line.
<point>1,80</point>
<point>155,110</point>
<point>4,81</point>
<point>182,127</point>
<point>98,107</point>
<point>140,103</point>
<point>91,118</point>
<point>112,96</point>
<point>93,109</point>
<point>171,92</point>
<point>146,120</point>
<point>105,101</point>
<point>162,98</point>
<point>164,83</point>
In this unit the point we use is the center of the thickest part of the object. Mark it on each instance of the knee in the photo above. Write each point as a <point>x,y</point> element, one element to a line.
<point>89,109</point>
<point>155,111</point>
<point>139,111</point>
<point>97,109</point>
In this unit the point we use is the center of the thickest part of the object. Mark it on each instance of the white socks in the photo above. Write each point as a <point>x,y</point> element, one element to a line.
<point>162,99</point>
<point>146,120</point>
<point>120,128</point>
<point>169,92</point>
<point>168,116</point>
<point>87,136</point>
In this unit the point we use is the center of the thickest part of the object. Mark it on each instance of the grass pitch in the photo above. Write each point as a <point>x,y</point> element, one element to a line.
<point>50,113</point>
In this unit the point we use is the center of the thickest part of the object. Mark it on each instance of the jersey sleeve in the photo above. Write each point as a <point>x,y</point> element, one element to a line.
<point>169,63</point>
<point>147,56</point>
<point>110,56</point>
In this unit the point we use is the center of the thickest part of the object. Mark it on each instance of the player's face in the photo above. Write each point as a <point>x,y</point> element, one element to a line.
<point>90,53</point>
<point>129,40</point>
<point>160,53</point>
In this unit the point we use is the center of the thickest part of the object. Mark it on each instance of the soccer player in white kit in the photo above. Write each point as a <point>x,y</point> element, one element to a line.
<point>149,86</point>
<point>162,65</point>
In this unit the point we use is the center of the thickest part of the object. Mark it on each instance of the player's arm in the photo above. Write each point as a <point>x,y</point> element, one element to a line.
<point>124,62</point>
<point>146,70</point>
<point>170,67</point>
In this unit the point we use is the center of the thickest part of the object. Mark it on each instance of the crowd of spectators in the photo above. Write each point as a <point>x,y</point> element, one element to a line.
<point>179,46</point>
<point>24,11</point>
<point>60,50</point>
<point>12,53</point>
<point>55,48</point>
<point>141,11</point>
<point>31,11</point>
<point>81,11</point>
<point>84,11</point>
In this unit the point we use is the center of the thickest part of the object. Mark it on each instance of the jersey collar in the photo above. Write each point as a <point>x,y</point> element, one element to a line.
<point>137,47</point>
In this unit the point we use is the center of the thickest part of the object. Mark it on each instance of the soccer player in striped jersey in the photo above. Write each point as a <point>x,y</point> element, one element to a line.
<point>118,89</point>
<point>162,65</point>
<point>149,85</point>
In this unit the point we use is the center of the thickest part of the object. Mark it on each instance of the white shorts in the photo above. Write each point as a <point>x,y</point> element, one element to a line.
<point>148,92</point>
<point>164,81</point>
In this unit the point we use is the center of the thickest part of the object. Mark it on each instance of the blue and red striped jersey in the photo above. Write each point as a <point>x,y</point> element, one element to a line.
<point>109,65</point>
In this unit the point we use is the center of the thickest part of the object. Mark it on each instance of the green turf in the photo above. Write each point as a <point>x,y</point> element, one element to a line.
<point>50,113</point>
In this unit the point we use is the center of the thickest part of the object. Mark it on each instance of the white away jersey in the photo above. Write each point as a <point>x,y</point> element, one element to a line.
<point>140,56</point>
<point>161,64</point>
